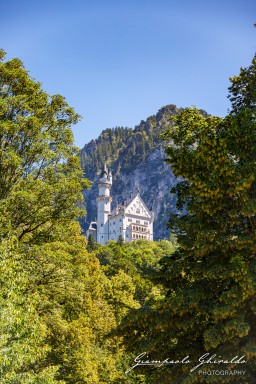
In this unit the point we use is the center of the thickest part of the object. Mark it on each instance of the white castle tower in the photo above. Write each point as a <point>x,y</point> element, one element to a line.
<point>131,220</point>
<point>104,206</point>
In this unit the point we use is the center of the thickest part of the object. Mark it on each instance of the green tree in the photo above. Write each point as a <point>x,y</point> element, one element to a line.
<point>40,187</point>
<point>57,305</point>
<point>242,90</point>
<point>139,260</point>
<point>40,175</point>
<point>209,282</point>
<point>91,245</point>
<point>23,346</point>
<point>120,240</point>
<point>128,269</point>
<point>73,290</point>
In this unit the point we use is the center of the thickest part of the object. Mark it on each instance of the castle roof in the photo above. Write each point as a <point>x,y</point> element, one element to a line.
<point>104,172</point>
<point>134,205</point>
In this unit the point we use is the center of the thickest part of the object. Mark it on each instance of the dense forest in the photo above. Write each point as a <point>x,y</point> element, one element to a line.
<point>75,312</point>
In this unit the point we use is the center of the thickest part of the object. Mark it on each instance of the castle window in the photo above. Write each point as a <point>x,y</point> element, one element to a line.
<point>137,211</point>
<point>137,222</point>
<point>145,222</point>
<point>130,220</point>
<point>101,225</point>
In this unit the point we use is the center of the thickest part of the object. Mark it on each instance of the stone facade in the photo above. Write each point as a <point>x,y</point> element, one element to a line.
<point>132,220</point>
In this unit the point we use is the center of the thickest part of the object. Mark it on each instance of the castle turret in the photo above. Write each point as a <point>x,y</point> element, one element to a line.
<point>104,206</point>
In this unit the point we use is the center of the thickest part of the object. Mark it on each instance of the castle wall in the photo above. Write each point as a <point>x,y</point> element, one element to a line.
<point>132,220</point>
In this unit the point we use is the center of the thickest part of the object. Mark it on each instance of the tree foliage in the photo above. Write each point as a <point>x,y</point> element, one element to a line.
<point>138,260</point>
<point>91,243</point>
<point>23,349</point>
<point>40,174</point>
<point>64,312</point>
<point>53,315</point>
<point>209,282</point>
<point>58,304</point>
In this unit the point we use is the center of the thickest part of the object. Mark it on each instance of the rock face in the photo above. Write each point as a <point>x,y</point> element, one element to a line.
<point>136,158</point>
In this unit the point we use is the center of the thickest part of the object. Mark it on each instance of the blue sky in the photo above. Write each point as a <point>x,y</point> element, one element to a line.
<point>119,61</point>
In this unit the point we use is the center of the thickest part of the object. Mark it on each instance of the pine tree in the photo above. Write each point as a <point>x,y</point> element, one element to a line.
<point>120,240</point>
<point>91,245</point>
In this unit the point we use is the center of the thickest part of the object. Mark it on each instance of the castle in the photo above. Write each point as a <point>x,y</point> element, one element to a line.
<point>132,220</point>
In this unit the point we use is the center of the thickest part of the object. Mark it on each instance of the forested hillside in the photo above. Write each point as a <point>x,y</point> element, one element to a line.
<point>136,158</point>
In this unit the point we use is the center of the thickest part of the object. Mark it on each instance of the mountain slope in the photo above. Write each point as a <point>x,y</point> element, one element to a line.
<point>136,158</point>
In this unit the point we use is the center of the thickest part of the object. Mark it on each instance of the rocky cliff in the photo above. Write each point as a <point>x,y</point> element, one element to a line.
<point>136,158</point>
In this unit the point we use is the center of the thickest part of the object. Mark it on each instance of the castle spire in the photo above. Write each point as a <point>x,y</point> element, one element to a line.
<point>104,172</point>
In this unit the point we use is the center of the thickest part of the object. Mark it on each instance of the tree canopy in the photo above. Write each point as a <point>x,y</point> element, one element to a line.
<point>51,289</point>
<point>73,311</point>
<point>209,283</point>
<point>58,303</point>
<point>40,175</point>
